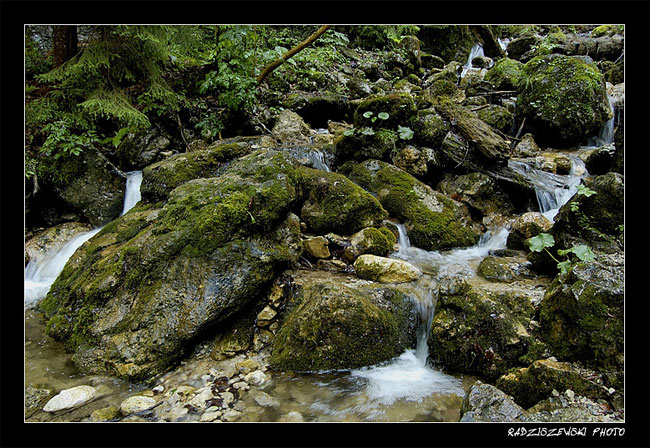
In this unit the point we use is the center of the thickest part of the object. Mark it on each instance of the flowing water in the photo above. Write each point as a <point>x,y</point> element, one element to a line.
<point>41,273</point>
<point>606,134</point>
<point>476,51</point>
<point>552,190</point>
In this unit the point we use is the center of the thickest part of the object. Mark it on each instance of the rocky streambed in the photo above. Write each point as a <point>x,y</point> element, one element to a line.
<point>377,270</point>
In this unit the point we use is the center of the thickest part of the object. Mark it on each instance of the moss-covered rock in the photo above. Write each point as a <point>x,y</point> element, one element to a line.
<point>564,100</point>
<point>581,316</point>
<point>497,116</point>
<point>527,226</point>
<point>335,204</point>
<point>433,221</point>
<point>333,324</point>
<point>399,107</point>
<point>479,191</point>
<point>370,241</point>
<point>160,178</point>
<point>450,42</point>
<point>480,330</point>
<point>532,384</point>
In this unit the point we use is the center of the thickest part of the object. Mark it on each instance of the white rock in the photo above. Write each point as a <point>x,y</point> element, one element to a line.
<point>292,416</point>
<point>385,270</point>
<point>199,400</point>
<point>210,416</point>
<point>569,393</point>
<point>230,415</point>
<point>70,398</point>
<point>158,389</point>
<point>241,385</point>
<point>136,403</point>
<point>266,401</point>
<point>227,397</point>
<point>256,378</point>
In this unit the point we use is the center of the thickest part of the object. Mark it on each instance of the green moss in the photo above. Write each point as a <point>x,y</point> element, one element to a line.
<point>334,327</point>
<point>607,30</point>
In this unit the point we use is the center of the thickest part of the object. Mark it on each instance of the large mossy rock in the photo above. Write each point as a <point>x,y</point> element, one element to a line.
<point>88,184</point>
<point>596,219</point>
<point>135,296</point>
<point>479,191</point>
<point>581,316</point>
<point>331,323</point>
<point>433,221</point>
<point>160,178</point>
<point>450,42</point>
<point>333,203</point>
<point>138,150</point>
<point>481,330</point>
<point>535,383</point>
<point>505,74</point>
<point>564,100</point>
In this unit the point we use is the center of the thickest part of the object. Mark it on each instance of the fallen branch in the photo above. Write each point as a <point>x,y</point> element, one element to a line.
<point>289,54</point>
<point>180,126</point>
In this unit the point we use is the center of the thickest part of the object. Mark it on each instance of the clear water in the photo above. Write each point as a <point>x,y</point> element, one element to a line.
<point>476,51</point>
<point>552,190</point>
<point>40,274</point>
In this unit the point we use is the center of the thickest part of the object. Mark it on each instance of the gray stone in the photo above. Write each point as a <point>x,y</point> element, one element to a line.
<point>385,270</point>
<point>135,404</point>
<point>70,398</point>
<point>486,403</point>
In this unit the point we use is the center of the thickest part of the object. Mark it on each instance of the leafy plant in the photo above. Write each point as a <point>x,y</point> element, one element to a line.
<point>544,241</point>
<point>582,191</point>
<point>405,133</point>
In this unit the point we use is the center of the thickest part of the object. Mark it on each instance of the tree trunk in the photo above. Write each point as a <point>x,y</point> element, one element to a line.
<point>289,54</point>
<point>491,45</point>
<point>64,44</point>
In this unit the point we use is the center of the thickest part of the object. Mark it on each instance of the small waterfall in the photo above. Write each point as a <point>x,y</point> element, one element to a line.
<point>476,51</point>
<point>318,160</point>
<point>40,274</point>
<point>132,194</point>
<point>552,190</point>
<point>606,134</point>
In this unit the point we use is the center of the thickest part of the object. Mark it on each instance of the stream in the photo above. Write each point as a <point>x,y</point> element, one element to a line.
<point>407,388</point>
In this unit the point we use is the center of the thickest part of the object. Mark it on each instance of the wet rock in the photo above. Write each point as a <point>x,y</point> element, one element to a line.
<point>433,221</point>
<point>51,238</point>
<point>105,414</point>
<point>35,398</point>
<point>564,101</point>
<point>247,366</point>
<point>334,323</point>
<point>138,150</point>
<point>292,416</point>
<point>385,270</point>
<point>527,147</point>
<point>317,247</point>
<point>135,404</point>
<point>290,128</point>
<point>479,191</point>
<point>231,415</point>
<point>70,398</point>
<point>265,400</point>
<point>92,186</point>
<point>498,269</point>
<point>411,160</point>
<point>505,74</point>
<point>527,226</point>
<point>486,403</point>
<point>530,385</point>
<point>211,416</point>
<point>331,265</point>
<point>497,116</point>
<point>256,378</point>
<point>369,241</point>
<point>483,329</point>
<point>266,316</point>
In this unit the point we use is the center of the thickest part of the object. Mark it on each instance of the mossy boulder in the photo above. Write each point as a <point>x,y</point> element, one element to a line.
<point>335,204</point>
<point>370,241</point>
<point>532,384</point>
<point>479,191</point>
<point>160,178</point>
<point>596,219</point>
<point>334,324</point>
<point>581,315</point>
<point>88,184</point>
<point>450,42</point>
<point>399,107</point>
<point>564,100</point>
<point>433,221</point>
<point>497,116</point>
<point>429,128</point>
<point>139,149</point>
<point>480,330</point>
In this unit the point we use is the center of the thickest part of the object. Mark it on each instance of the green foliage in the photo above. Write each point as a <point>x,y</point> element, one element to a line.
<point>405,133</point>
<point>582,252</point>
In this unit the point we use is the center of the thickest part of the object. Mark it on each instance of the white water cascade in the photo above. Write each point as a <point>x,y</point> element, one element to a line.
<point>606,134</point>
<point>552,190</point>
<point>41,273</point>
<point>476,51</point>
<point>409,377</point>
<point>318,160</point>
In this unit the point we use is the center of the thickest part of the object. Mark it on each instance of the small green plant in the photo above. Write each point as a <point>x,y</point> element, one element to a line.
<point>544,241</point>
<point>582,191</point>
<point>404,133</point>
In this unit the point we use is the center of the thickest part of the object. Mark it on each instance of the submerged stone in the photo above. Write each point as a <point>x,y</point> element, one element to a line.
<point>385,270</point>
<point>70,398</point>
